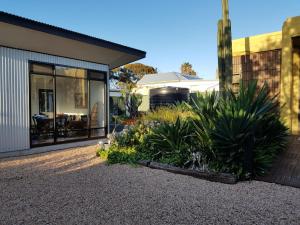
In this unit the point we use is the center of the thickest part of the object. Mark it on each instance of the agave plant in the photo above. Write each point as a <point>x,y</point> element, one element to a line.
<point>205,106</point>
<point>170,141</point>
<point>239,133</point>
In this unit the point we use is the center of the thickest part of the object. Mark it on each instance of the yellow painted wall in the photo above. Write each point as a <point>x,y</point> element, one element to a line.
<point>257,43</point>
<point>289,82</point>
<point>295,92</point>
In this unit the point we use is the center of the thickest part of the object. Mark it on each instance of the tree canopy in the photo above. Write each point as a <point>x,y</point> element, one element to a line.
<point>140,69</point>
<point>187,68</point>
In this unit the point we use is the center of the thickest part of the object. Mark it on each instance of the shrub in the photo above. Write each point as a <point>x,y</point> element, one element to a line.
<point>128,146</point>
<point>169,114</point>
<point>121,155</point>
<point>132,136</point>
<point>102,153</point>
<point>232,128</point>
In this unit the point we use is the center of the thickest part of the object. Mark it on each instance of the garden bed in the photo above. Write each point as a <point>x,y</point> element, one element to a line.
<point>235,133</point>
<point>225,178</point>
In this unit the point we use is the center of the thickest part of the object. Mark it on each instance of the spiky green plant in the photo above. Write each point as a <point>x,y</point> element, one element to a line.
<point>170,142</point>
<point>240,133</point>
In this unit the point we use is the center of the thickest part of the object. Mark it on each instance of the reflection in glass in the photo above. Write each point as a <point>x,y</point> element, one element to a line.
<point>42,109</point>
<point>40,68</point>
<point>70,72</point>
<point>46,100</point>
<point>97,107</point>
<point>71,108</point>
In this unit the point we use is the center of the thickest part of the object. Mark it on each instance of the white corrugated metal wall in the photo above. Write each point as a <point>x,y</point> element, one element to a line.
<point>14,93</point>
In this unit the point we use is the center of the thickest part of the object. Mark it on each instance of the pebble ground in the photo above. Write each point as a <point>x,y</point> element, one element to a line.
<point>75,187</point>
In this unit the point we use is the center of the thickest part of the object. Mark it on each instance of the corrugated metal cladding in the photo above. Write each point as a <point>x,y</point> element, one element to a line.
<point>14,93</point>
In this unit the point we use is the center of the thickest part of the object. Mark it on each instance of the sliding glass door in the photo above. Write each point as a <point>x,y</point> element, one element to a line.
<point>67,104</point>
<point>71,104</point>
<point>42,105</point>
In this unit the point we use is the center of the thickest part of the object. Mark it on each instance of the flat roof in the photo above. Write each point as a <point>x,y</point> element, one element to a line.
<point>62,35</point>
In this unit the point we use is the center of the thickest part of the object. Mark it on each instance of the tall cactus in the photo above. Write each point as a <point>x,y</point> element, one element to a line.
<point>225,49</point>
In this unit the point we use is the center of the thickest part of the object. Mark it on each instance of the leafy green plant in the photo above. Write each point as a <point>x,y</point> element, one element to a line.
<point>132,136</point>
<point>121,155</point>
<point>102,153</point>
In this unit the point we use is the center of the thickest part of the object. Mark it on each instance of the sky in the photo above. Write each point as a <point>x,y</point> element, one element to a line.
<point>170,31</point>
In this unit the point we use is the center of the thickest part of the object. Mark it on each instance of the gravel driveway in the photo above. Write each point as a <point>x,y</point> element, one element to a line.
<point>75,187</point>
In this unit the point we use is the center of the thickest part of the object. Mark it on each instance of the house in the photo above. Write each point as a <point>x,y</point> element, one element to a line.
<point>54,85</point>
<point>273,58</point>
<point>172,83</point>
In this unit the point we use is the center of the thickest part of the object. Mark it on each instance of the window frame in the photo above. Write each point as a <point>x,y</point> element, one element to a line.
<point>54,75</point>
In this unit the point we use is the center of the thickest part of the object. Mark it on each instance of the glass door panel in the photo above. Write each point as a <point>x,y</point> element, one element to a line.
<point>71,109</point>
<point>97,108</point>
<point>42,109</point>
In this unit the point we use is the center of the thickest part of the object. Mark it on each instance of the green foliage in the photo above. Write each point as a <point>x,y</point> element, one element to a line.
<point>102,153</point>
<point>116,154</point>
<point>169,114</point>
<point>135,100</point>
<point>219,132</point>
<point>133,136</point>
<point>136,69</point>
<point>187,68</point>
<point>121,155</point>
<point>163,142</point>
<point>170,142</point>
<point>127,80</point>
<point>205,106</point>
<point>140,69</point>
<point>229,125</point>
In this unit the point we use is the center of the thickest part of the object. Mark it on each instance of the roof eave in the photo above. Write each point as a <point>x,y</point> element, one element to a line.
<point>43,27</point>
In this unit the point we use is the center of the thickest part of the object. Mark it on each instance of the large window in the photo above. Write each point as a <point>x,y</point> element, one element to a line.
<point>42,110</point>
<point>71,108</point>
<point>66,104</point>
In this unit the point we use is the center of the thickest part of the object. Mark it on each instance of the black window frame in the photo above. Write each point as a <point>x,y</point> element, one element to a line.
<point>88,78</point>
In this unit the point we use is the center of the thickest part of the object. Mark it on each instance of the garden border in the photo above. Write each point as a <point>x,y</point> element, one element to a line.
<point>225,178</point>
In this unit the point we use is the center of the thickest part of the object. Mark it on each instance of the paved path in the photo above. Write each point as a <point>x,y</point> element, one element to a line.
<point>286,169</point>
<point>75,187</point>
